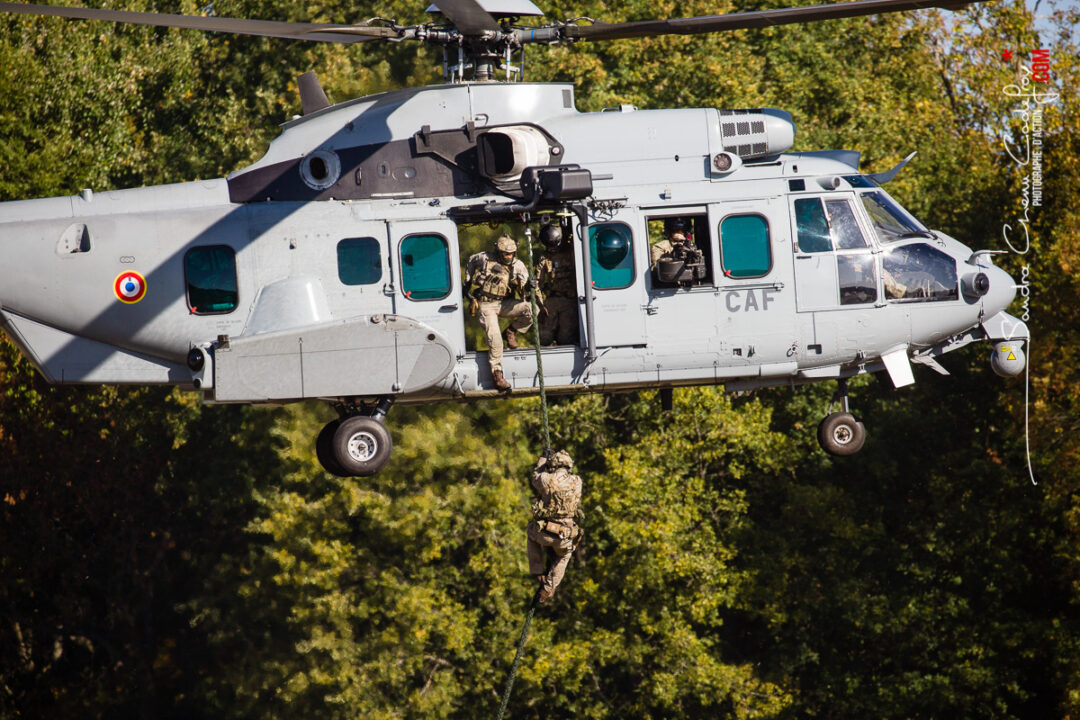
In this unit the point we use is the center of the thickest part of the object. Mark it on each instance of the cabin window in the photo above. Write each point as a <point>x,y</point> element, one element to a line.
<point>210,274</point>
<point>359,261</point>
<point>744,246</point>
<point>679,253</point>
<point>611,250</point>
<point>919,273</point>
<point>812,226</point>
<point>425,267</point>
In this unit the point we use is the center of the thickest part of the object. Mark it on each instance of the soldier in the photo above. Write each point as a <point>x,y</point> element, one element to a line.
<point>558,498</point>
<point>557,292</point>
<point>497,276</point>
<point>676,230</point>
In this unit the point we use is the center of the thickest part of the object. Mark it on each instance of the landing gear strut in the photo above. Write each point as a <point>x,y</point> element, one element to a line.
<point>358,443</point>
<point>840,433</point>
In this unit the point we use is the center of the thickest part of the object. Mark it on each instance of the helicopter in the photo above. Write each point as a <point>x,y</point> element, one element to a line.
<point>332,267</point>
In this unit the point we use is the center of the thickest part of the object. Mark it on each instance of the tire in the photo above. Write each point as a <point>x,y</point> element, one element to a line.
<point>324,449</point>
<point>841,434</point>
<point>361,446</point>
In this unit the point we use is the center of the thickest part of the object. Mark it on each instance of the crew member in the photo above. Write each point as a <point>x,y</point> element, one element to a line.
<point>492,279</point>
<point>555,509</point>
<point>677,230</point>
<point>557,291</point>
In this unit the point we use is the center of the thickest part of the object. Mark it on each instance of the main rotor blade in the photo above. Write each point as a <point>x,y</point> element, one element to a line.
<point>320,32</point>
<point>754,19</point>
<point>467,16</point>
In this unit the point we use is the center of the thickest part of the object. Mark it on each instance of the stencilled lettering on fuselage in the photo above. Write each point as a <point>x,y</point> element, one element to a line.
<point>749,300</point>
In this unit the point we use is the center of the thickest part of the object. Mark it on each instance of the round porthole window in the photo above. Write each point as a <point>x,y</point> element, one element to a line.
<point>320,169</point>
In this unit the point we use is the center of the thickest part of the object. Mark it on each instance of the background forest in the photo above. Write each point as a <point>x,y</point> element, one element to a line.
<point>162,559</point>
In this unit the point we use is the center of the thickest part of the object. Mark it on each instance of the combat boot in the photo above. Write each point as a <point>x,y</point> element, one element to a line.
<point>511,338</point>
<point>500,381</point>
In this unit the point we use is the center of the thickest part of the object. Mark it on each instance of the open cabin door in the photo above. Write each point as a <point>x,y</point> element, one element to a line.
<point>617,264</point>
<point>427,276</point>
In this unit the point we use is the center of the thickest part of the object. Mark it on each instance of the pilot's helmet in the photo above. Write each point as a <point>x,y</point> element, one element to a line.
<point>551,236</point>
<point>506,244</point>
<point>676,225</point>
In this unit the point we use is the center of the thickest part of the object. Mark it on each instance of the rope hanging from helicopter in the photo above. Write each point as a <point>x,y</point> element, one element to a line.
<point>545,421</point>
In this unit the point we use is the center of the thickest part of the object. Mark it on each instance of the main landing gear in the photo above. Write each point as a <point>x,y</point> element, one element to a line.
<point>840,433</point>
<point>357,443</point>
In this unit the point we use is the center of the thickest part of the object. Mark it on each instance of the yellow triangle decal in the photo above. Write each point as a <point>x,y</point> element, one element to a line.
<point>1011,357</point>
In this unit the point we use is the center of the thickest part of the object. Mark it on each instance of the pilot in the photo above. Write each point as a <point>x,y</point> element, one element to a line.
<point>556,505</point>
<point>492,279</point>
<point>557,292</point>
<point>677,230</point>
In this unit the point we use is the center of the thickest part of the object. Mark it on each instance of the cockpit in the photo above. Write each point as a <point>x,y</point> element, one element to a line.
<point>910,270</point>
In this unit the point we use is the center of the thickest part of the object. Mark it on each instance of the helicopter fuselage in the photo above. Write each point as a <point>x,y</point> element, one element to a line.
<point>332,267</point>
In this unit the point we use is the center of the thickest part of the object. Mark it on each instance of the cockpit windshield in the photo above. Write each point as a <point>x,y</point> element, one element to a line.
<point>890,221</point>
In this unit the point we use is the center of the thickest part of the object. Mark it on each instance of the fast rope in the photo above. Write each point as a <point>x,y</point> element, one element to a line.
<point>517,655</point>
<point>547,449</point>
<point>536,337</point>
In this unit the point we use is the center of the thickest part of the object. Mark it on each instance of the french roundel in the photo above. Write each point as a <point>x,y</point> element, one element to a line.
<point>130,287</point>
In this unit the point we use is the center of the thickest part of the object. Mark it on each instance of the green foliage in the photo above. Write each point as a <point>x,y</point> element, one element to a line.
<point>159,558</point>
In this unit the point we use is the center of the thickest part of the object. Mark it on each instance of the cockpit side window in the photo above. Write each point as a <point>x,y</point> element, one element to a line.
<point>813,227</point>
<point>919,273</point>
<point>890,222</point>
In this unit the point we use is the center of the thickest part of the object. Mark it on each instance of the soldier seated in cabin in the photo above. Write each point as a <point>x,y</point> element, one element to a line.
<point>556,292</point>
<point>676,259</point>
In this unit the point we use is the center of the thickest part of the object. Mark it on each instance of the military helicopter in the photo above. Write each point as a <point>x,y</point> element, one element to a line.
<point>331,267</point>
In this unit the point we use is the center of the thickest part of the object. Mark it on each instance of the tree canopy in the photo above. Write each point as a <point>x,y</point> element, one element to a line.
<point>163,559</point>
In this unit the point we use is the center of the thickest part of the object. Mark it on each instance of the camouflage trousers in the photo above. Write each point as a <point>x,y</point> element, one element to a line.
<point>559,324</point>
<point>489,314</point>
<point>563,545</point>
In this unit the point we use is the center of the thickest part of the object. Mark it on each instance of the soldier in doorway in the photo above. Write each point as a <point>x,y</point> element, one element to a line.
<point>557,291</point>
<point>677,231</point>
<point>492,280</point>
<point>555,509</point>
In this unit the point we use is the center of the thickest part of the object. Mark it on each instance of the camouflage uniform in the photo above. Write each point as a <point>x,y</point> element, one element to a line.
<point>664,248</point>
<point>558,293</point>
<point>558,498</point>
<point>495,285</point>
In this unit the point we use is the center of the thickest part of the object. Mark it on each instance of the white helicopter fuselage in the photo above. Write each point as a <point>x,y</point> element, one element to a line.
<point>343,248</point>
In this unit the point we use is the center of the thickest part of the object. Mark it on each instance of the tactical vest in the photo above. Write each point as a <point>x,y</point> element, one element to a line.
<point>493,280</point>
<point>561,497</point>
<point>557,275</point>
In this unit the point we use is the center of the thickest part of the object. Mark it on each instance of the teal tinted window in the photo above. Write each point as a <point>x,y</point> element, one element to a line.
<point>744,246</point>
<point>210,274</point>
<point>611,251</point>
<point>425,267</point>
<point>812,226</point>
<point>359,261</point>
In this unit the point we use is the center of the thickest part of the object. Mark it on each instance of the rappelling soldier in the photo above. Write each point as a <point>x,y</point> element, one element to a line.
<point>493,282</point>
<point>555,509</point>
<point>557,290</point>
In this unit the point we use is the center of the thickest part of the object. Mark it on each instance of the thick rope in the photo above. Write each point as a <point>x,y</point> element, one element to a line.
<point>536,343</point>
<point>517,655</point>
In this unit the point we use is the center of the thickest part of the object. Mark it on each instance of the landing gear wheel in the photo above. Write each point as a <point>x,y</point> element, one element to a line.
<point>841,434</point>
<point>361,446</point>
<point>324,449</point>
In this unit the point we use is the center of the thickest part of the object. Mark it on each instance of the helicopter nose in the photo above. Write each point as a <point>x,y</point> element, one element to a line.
<point>1002,290</point>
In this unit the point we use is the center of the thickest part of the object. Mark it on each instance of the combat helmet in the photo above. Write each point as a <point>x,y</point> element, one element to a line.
<point>506,244</point>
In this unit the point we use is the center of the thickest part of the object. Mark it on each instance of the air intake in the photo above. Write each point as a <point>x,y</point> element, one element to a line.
<point>753,134</point>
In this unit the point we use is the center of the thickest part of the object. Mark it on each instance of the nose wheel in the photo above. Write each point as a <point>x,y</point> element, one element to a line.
<point>356,445</point>
<point>840,433</point>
